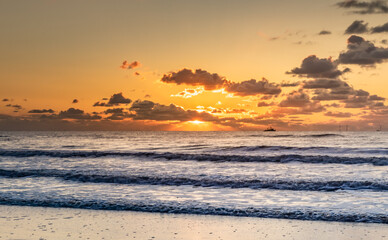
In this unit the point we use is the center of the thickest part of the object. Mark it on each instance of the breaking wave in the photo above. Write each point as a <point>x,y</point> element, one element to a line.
<point>296,185</point>
<point>378,161</point>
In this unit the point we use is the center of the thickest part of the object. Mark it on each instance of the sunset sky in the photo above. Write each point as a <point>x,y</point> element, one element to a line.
<point>186,65</point>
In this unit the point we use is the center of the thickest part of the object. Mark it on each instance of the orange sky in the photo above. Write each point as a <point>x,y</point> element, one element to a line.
<point>193,65</point>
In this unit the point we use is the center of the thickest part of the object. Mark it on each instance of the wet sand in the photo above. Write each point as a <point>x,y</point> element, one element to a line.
<point>63,223</point>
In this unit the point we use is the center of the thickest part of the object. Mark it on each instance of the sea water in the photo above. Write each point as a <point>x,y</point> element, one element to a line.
<point>331,176</point>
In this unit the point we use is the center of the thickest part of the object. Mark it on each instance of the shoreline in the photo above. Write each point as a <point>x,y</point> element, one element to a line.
<point>25,222</point>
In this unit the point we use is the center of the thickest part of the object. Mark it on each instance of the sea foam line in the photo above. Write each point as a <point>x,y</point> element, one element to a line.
<point>378,161</point>
<point>199,209</point>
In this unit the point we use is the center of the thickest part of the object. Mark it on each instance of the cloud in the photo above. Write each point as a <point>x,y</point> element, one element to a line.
<point>75,101</point>
<point>380,29</point>
<point>215,82</point>
<point>364,7</point>
<point>16,107</point>
<point>289,84</point>
<point>324,83</point>
<point>296,99</point>
<point>324,32</point>
<point>362,52</point>
<point>114,110</point>
<point>73,113</point>
<point>198,78</point>
<point>148,110</point>
<point>5,100</point>
<point>300,99</point>
<point>357,27</point>
<point>132,65</point>
<point>376,98</point>
<point>314,67</point>
<point>331,90</point>
<point>115,100</point>
<point>117,114</point>
<point>41,111</point>
<point>118,98</point>
<point>253,87</point>
<point>265,104</point>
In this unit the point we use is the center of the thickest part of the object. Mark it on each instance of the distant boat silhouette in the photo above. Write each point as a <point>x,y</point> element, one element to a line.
<point>379,129</point>
<point>270,129</point>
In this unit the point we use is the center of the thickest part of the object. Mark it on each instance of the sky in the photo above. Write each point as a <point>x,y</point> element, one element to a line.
<point>194,65</point>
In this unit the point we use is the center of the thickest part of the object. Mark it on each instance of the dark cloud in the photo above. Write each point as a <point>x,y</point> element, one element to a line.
<point>101,104</point>
<point>357,102</point>
<point>296,99</point>
<point>331,89</point>
<point>265,104</point>
<point>147,96</point>
<point>301,99</point>
<point>324,32</point>
<point>314,67</point>
<point>266,97</point>
<point>362,99</point>
<point>148,110</point>
<point>324,83</point>
<point>114,100</point>
<point>73,113</point>
<point>289,84</point>
<point>75,101</point>
<point>253,87</point>
<point>357,27</point>
<point>117,114</point>
<point>41,111</point>
<point>362,52</point>
<point>5,100</point>
<point>118,98</point>
<point>364,7</point>
<point>376,98</point>
<point>15,106</point>
<point>132,65</point>
<point>114,110</point>
<point>214,81</point>
<point>198,78</point>
<point>380,29</point>
<point>325,95</point>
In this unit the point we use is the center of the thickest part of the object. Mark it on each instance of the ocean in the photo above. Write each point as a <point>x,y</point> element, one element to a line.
<point>329,176</point>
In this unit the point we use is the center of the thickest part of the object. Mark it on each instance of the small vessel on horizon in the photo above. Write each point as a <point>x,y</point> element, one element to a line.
<point>270,129</point>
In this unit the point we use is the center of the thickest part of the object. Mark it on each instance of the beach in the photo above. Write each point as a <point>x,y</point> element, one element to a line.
<point>23,222</point>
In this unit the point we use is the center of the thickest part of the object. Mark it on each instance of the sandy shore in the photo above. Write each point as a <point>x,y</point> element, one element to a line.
<point>62,223</point>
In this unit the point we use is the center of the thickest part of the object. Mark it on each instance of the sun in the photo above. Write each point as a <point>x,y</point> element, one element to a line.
<point>196,122</point>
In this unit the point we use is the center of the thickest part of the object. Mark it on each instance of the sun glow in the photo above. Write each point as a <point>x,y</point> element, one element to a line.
<point>196,122</point>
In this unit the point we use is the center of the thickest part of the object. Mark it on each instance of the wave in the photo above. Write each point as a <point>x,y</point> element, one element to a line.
<point>273,148</point>
<point>319,159</point>
<point>199,209</point>
<point>323,135</point>
<point>199,181</point>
